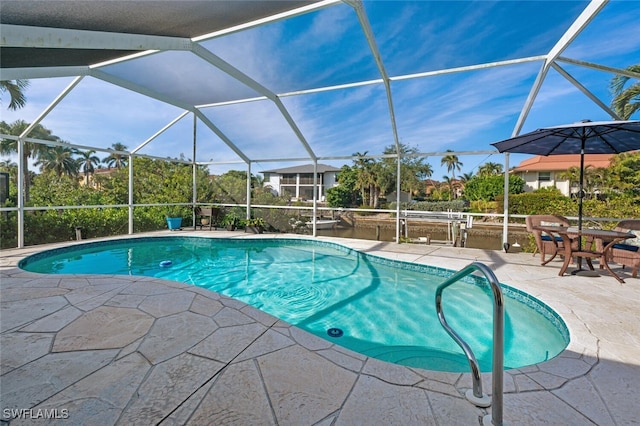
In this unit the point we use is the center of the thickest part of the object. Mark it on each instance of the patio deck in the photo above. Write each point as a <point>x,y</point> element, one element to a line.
<point>134,350</point>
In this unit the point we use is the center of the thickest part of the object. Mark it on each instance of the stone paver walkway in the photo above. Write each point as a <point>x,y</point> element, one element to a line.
<point>135,350</point>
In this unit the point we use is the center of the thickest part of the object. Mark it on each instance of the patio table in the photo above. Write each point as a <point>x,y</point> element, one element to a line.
<point>567,234</point>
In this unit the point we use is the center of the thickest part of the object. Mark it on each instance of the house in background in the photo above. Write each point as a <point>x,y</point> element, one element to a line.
<point>543,172</point>
<point>298,181</point>
<point>91,181</point>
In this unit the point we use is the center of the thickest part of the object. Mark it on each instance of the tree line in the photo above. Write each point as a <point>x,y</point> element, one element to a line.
<point>59,159</point>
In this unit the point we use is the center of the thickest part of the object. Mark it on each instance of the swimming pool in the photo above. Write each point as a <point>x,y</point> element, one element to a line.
<point>384,308</point>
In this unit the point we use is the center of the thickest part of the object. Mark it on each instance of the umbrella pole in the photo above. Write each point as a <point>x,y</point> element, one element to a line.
<point>580,188</point>
<point>580,197</point>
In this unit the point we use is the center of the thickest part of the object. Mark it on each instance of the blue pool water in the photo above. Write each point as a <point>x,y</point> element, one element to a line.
<point>384,308</point>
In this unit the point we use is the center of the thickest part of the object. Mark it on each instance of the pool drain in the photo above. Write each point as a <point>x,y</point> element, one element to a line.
<point>335,332</point>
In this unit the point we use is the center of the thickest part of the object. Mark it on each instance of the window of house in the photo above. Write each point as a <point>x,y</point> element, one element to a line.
<point>544,176</point>
<point>288,178</point>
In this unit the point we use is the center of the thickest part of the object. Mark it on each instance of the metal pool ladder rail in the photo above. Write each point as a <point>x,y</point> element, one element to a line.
<point>475,395</point>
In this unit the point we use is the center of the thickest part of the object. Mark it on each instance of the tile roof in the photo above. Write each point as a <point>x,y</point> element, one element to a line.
<point>563,162</point>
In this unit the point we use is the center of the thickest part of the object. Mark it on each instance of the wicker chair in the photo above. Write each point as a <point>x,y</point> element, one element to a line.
<point>210,216</point>
<point>624,253</point>
<point>547,244</point>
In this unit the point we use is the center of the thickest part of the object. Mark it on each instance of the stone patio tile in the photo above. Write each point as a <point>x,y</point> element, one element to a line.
<point>163,305</point>
<point>618,384</point>
<point>167,386</point>
<point>130,348</point>
<point>205,292</point>
<point>508,384</point>
<point>392,373</point>
<point>385,404</point>
<point>83,294</point>
<point>258,315</point>
<point>41,281</point>
<point>524,383</point>
<point>35,382</point>
<point>540,408</point>
<point>15,314</point>
<point>148,288</point>
<point>268,342</point>
<point>29,293</point>
<point>227,342</point>
<point>100,398</point>
<point>454,410</point>
<point>110,280</point>
<point>125,300</point>
<point>73,282</point>
<point>302,386</point>
<point>565,367</point>
<point>232,303</point>
<point>17,349</point>
<point>237,397</point>
<point>205,306</point>
<point>103,328</point>
<point>172,335</point>
<point>343,359</point>
<point>308,340</point>
<point>187,408</point>
<point>439,376</point>
<point>54,322</point>
<point>546,380</point>
<point>581,395</point>
<point>230,316</point>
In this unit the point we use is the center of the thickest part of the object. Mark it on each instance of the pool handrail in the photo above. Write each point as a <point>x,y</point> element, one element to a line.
<point>476,396</point>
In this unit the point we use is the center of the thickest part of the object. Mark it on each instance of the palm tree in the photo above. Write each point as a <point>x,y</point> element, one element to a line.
<point>449,182</point>
<point>29,149</point>
<point>115,159</point>
<point>466,177</point>
<point>88,162</point>
<point>452,163</point>
<point>59,159</point>
<point>625,102</point>
<point>573,176</point>
<point>489,168</point>
<point>16,92</point>
<point>365,179</point>
<point>601,180</point>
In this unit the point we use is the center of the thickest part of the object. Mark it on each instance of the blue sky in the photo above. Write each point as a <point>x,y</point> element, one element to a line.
<point>462,111</point>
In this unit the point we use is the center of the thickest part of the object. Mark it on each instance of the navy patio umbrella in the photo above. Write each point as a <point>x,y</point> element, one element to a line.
<point>585,137</point>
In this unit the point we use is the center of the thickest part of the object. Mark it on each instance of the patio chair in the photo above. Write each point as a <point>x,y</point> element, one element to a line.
<point>627,252</point>
<point>207,216</point>
<point>547,244</point>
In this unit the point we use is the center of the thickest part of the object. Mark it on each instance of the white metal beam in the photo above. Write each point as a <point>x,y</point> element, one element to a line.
<point>533,93</point>
<point>222,136</point>
<point>470,68</point>
<point>159,132</point>
<point>28,73</point>
<point>269,19</point>
<point>232,71</point>
<point>63,38</point>
<point>586,91</point>
<point>587,15</point>
<point>599,67</point>
<point>373,46</point>
<point>52,105</point>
